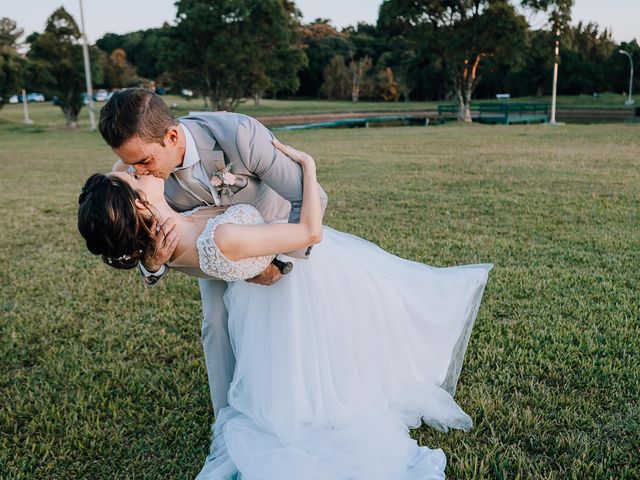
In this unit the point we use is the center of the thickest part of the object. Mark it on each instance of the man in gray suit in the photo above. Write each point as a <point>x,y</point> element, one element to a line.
<point>190,154</point>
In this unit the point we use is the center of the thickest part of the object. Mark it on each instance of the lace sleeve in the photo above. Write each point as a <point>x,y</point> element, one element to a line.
<point>214,263</point>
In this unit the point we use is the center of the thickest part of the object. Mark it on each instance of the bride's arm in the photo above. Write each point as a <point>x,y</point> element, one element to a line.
<point>243,241</point>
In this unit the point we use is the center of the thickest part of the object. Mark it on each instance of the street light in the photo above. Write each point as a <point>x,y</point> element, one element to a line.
<point>87,71</point>
<point>629,101</point>
<point>555,79</point>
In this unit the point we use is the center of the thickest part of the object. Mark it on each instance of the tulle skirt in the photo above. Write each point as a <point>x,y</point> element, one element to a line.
<point>335,362</point>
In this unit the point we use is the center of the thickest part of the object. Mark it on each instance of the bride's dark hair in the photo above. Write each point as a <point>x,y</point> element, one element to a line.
<point>111,224</point>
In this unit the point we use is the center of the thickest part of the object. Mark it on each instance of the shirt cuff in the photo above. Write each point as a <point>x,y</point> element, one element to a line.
<point>147,273</point>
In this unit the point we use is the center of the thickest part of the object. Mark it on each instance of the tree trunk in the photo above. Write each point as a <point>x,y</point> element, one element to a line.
<point>72,120</point>
<point>257,97</point>
<point>464,103</point>
<point>467,106</point>
<point>70,117</point>
<point>406,91</point>
<point>465,85</point>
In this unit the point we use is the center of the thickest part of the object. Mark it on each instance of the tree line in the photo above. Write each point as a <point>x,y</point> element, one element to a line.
<point>225,52</point>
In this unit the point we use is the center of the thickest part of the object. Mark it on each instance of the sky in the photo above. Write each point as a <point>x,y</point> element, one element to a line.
<point>122,16</point>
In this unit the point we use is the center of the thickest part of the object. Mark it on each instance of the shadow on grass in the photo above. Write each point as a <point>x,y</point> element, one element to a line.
<point>13,127</point>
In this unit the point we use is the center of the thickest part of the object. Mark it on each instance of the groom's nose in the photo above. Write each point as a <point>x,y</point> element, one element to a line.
<point>138,168</point>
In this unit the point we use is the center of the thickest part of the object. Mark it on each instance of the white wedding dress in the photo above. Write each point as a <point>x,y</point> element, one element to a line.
<point>337,360</point>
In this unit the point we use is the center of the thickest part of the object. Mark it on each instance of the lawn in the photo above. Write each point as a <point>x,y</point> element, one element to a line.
<point>102,378</point>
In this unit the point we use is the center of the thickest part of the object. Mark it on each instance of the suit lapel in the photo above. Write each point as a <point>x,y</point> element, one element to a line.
<point>209,151</point>
<point>211,158</point>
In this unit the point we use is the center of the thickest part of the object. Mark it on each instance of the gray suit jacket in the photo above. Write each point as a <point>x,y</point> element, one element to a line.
<point>265,177</point>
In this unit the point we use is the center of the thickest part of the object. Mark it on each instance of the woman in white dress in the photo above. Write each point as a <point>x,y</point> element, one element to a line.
<point>335,362</point>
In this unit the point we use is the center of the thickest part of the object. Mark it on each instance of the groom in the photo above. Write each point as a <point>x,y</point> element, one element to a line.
<point>211,159</point>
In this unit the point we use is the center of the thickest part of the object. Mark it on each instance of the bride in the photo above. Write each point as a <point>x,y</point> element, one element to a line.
<point>335,362</point>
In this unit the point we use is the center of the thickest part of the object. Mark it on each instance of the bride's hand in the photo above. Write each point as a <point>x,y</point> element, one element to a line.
<point>297,156</point>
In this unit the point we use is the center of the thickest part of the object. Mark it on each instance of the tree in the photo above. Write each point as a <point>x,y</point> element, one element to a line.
<point>232,48</point>
<point>55,64</point>
<point>321,43</point>
<point>11,63</point>
<point>117,70</point>
<point>464,34</point>
<point>143,48</point>
<point>337,80</point>
<point>586,52</point>
<point>388,85</point>
<point>403,62</point>
<point>283,57</point>
<point>358,69</point>
<point>617,68</point>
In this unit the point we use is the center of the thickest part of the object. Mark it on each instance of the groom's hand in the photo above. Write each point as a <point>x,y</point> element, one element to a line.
<point>270,276</point>
<point>166,240</point>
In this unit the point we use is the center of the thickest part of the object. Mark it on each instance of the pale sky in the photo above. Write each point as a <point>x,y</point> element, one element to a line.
<point>122,16</point>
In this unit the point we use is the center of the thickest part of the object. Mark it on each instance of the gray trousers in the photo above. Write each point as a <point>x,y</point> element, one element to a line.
<point>218,354</point>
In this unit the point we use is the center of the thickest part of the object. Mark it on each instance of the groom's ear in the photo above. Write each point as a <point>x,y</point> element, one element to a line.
<point>171,136</point>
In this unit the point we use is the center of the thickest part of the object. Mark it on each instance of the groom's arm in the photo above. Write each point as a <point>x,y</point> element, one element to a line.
<point>150,276</point>
<point>273,167</point>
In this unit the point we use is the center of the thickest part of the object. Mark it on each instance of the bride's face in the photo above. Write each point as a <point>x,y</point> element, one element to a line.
<point>150,188</point>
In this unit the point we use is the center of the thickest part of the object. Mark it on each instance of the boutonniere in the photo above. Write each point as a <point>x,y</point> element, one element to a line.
<point>223,179</point>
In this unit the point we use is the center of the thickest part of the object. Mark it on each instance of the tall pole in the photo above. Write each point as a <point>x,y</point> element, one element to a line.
<point>87,71</point>
<point>25,107</point>
<point>630,99</point>
<point>555,79</point>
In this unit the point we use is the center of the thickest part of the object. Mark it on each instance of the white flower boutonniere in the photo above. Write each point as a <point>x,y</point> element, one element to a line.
<point>223,179</point>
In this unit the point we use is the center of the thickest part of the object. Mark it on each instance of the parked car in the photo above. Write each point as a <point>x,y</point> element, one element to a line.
<point>31,97</point>
<point>101,96</point>
<point>35,97</point>
<point>186,92</point>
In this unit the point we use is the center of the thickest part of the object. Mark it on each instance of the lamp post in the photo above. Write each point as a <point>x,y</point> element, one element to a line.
<point>629,101</point>
<point>555,79</point>
<point>87,71</point>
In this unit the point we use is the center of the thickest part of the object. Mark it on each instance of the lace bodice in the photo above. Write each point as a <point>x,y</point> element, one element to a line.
<point>211,260</point>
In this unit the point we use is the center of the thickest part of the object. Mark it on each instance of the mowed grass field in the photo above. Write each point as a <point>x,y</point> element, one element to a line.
<point>102,378</point>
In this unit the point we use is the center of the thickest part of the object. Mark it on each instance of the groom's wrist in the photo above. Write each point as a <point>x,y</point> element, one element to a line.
<point>150,273</point>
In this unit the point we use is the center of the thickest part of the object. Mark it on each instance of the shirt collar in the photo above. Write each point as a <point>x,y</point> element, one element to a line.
<point>191,156</point>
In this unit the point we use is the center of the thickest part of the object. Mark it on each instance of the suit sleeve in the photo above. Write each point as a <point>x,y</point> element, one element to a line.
<point>273,167</point>
<point>152,279</point>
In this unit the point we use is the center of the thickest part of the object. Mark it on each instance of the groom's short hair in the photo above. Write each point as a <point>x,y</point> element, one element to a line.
<point>135,112</point>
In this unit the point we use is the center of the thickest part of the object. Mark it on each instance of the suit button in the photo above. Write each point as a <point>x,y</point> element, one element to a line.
<point>308,251</point>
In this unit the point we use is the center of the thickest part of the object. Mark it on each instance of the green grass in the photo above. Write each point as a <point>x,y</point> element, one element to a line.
<point>102,378</point>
